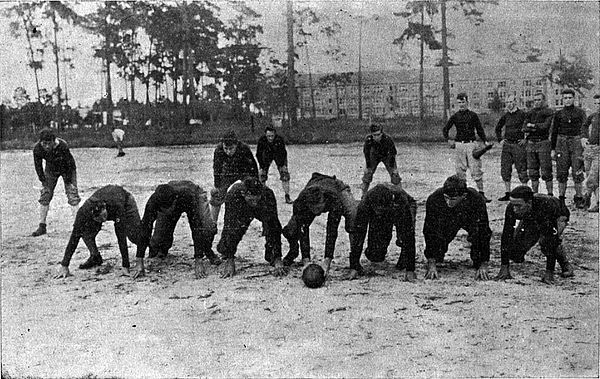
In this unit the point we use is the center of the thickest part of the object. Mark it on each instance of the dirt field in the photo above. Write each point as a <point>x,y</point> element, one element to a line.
<point>168,324</point>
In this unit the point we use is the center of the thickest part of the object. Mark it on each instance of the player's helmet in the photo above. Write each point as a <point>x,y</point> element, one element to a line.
<point>313,276</point>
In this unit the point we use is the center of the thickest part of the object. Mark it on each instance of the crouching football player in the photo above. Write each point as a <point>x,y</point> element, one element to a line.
<point>383,207</point>
<point>530,218</point>
<point>322,194</point>
<point>163,209</point>
<point>245,201</point>
<point>109,203</point>
<point>449,209</point>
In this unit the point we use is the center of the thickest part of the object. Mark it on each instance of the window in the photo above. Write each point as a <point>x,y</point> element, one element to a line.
<point>527,93</point>
<point>557,102</point>
<point>501,84</point>
<point>475,95</point>
<point>538,91</point>
<point>538,82</point>
<point>556,91</point>
<point>451,85</point>
<point>527,83</point>
<point>490,95</point>
<point>502,94</point>
<point>490,84</point>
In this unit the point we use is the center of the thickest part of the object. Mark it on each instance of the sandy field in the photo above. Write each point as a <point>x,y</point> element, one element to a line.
<point>167,324</point>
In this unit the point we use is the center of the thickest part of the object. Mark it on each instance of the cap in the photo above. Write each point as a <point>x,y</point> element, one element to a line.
<point>47,134</point>
<point>455,186</point>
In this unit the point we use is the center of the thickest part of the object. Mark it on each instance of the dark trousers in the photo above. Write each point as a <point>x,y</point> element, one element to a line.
<point>436,242</point>
<point>526,235</point>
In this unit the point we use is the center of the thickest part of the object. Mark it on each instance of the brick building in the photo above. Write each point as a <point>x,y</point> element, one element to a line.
<point>396,93</point>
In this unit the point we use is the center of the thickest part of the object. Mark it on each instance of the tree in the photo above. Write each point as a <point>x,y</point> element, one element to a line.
<point>292,98</point>
<point>496,104</point>
<point>336,80</point>
<point>26,22</point>
<point>573,72</point>
<point>304,19</point>
<point>426,35</point>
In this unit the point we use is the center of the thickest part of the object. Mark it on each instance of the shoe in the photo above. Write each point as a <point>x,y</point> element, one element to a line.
<point>91,262</point>
<point>579,202</point>
<point>485,198</point>
<point>593,209</point>
<point>587,200</point>
<point>121,154</point>
<point>39,231</point>
<point>213,258</point>
<point>506,197</point>
<point>288,200</point>
<point>567,270</point>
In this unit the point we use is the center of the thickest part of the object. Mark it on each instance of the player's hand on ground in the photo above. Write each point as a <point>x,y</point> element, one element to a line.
<point>63,273</point>
<point>410,276</point>
<point>305,262</point>
<point>522,142</point>
<point>451,143</point>
<point>504,273</point>
<point>548,277</point>
<point>124,271</point>
<point>200,268</point>
<point>279,269</point>
<point>553,155</point>
<point>139,268</point>
<point>431,270</point>
<point>482,272</point>
<point>228,270</point>
<point>355,273</point>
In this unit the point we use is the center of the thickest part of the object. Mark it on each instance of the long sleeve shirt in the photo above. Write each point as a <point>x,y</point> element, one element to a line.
<point>591,129</point>
<point>59,161</point>
<point>267,151</point>
<point>544,213</point>
<point>512,122</point>
<point>467,123</point>
<point>239,214</point>
<point>567,122</point>
<point>399,212</point>
<point>541,118</point>
<point>335,207</point>
<point>227,170</point>
<point>376,152</point>
<point>115,198</point>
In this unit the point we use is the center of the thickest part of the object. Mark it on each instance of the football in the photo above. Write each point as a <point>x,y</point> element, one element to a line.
<point>313,276</point>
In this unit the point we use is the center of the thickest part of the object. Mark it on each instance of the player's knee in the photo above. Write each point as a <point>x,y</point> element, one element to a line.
<point>395,177</point>
<point>284,175</point>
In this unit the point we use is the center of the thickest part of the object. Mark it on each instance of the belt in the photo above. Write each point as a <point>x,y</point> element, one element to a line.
<point>512,140</point>
<point>537,139</point>
<point>467,141</point>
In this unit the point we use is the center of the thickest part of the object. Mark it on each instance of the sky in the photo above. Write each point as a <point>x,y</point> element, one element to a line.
<point>554,26</point>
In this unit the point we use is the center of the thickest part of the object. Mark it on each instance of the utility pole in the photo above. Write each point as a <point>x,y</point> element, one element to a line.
<point>291,82</point>
<point>421,61</point>
<point>360,114</point>
<point>445,73</point>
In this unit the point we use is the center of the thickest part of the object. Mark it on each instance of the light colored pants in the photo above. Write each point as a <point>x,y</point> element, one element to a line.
<point>464,160</point>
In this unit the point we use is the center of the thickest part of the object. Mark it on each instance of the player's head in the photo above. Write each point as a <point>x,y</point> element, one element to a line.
<point>538,100</point>
<point>313,199</point>
<point>252,190</point>
<point>270,133</point>
<point>597,101</point>
<point>568,96</point>
<point>165,196</point>
<point>230,142</point>
<point>462,100</point>
<point>376,132</point>
<point>313,276</point>
<point>455,190</point>
<point>98,209</point>
<point>47,138</point>
<point>380,199</point>
<point>521,199</point>
<point>511,102</point>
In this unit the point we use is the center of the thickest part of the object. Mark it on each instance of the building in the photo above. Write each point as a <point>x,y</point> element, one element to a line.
<point>396,93</point>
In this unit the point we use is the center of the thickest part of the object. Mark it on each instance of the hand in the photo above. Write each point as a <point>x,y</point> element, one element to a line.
<point>228,270</point>
<point>63,273</point>
<point>278,269</point>
<point>431,270</point>
<point>584,142</point>
<point>410,276</point>
<point>199,268</point>
<point>504,273</point>
<point>522,142</point>
<point>482,272</point>
<point>451,143</point>
<point>327,263</point>
<point>553,155</point>
<point>548,277</point>
<point>502,142</point>
<point>305,262</point>
<point>139,268</point>
<point>355,273</point>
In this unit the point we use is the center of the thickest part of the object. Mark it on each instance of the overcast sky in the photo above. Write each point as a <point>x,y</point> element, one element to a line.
<point>551,25</point>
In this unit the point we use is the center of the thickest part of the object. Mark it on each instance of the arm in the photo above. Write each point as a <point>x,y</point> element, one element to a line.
<point>585,127</point>
<point>37,162</point>
<point>367,153</point>
<point>250,162</point>
<point>508,232</point>
<point>360,230</point>
<point>405,234</point>
<point>333,222</point>
<point>150,215</point>
<point>260,151</point>
<point>217,167</point>
<point>478,127</point>
<point>447,127</point>
<point>552,125</point>
<point>122,240</point>
<point>499,127</point>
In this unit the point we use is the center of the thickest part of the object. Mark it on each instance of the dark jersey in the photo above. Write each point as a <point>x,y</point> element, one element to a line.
<point>59,161</point>
<point>227,170</point>
<point>568,122</point>
<point>378,151</point>
<point>467,123</point>
<point>542,119</point>
<point>266,151</point>
<point>512,122</point>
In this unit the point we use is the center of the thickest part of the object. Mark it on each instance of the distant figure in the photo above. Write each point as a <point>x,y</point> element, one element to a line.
<point>513,145</point>
<point>566,147</point>
<point>163,210</point>
<point>385,206</point>
<point>379,147</point>
<point>59,162</point>
<point>590,140</point>
<point>537,133</point>
<point>232,161</point>
<point>530,218</point>
<point>245,201</point>
<point>467,124</point>
<point>109,203</point>
<point>117,135</point>
<point>449,209</point>
<point>271,147</point>
<point>322,194</point>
